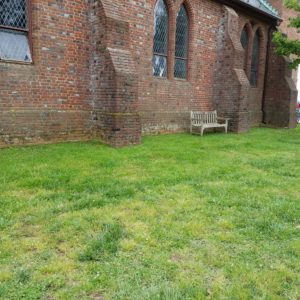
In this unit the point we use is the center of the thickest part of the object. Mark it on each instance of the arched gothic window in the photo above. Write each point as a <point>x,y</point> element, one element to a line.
<point>14,30</point>
<point>160,40</point>
<point>181,43</point>
<point>245,42</point>
<point>255,58</point>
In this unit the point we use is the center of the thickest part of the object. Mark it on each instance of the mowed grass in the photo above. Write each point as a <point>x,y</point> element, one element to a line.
<point>177,217</point>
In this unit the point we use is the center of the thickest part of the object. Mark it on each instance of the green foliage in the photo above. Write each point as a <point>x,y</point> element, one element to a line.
<point>177,217</point>
<point>286,46</point>
<point>292,4</point>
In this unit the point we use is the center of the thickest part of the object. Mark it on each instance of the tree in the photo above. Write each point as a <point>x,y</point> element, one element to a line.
<point>286,46</point>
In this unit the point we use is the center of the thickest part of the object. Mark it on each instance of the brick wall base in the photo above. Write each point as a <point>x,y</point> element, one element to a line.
<point>165,122</point>
<point>21,127</point>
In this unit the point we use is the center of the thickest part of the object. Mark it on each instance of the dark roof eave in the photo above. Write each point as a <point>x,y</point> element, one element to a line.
<point>252,10</point>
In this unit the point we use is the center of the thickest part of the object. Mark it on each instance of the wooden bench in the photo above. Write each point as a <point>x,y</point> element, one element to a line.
<point>204,120</point>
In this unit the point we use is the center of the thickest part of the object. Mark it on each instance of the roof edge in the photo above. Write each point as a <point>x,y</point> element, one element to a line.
<point>269,7</point>
<point>247,8</point>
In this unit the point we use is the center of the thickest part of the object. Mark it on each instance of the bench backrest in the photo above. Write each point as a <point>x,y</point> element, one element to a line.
<point>200,117</point>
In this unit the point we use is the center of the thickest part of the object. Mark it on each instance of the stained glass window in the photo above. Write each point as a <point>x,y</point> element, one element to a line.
<point>181,43</point>
<point>160,40</point>
<point>244,42</point>
<point>14,30</point>
<point>254,61</point>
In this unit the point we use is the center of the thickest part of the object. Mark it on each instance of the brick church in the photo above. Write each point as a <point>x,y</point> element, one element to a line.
<point>117,70</point>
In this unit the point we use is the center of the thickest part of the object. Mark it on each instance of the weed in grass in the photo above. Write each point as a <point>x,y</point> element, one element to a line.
<point>4,223</point>
<point>106,243</point>
<point>23,276</point>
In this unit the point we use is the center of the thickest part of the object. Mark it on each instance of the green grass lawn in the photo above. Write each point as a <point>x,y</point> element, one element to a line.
<point>177,217</point>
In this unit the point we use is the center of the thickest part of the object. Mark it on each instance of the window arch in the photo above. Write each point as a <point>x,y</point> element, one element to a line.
<point>14,30</point>
<point>255,59</point>
<point>245,44</point>
<point>160,39</point>
<point>181,43</point>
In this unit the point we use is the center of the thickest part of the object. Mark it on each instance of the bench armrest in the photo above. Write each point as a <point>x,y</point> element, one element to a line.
<point>224,119</point>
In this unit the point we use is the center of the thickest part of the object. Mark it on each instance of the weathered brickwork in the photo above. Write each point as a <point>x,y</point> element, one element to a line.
<point>92,74</point>
<point>231,85</point>
<point>280,94</point>
<point>49,100</point>
<point>165,103</point>
<point>114,88</point>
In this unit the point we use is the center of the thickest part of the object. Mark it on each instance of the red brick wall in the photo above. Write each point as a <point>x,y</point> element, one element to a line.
<point>165,103</point>
<point>48,101</point>
<point>256,92</point>
<point>231,85</point>
<point>281,93</point>
<point>232,91</point>
<point>92,73</point>
<point>114,77</point>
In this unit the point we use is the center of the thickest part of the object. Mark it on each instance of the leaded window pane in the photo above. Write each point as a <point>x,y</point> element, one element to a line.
<point>180,68</point>
<point>160,28</point>
<point>14,45</point>
<point>181,43</point>
<point>244,38</point>
<point>159,66</point>
<point>13,13</point>
<point>254,61</point>
<point>160,39</point>
<point>244,42</point>
<point>182,25</point>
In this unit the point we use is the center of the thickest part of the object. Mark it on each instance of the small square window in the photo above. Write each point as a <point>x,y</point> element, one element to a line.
<point>14,45</point>
<point>14,30</point>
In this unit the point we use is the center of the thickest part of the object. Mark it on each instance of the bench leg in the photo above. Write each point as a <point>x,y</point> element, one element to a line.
<point>226,129</point>
<point>202,130</point>
<point>191,129</point>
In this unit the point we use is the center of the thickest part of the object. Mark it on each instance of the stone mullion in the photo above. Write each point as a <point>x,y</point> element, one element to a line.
<point>171,43</point>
